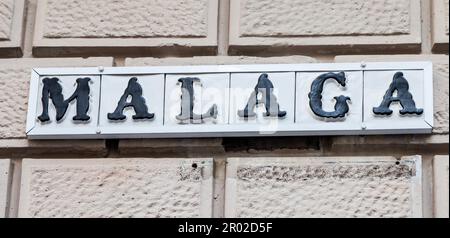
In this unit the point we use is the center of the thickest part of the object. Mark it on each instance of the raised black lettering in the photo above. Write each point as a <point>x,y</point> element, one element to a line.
<point>265,87</point>
<point>53,90</point>
<point>401,85</point>
<point>134,90</point>
<point>81,94</point>
<point>187,102</point>
<point>315,97</point>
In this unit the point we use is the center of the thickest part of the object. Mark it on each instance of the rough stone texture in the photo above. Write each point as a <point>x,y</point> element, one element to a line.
<point>77,27</point>
<point>6,17</point>
<point>116,188</point>
<point>446,3</point>
<point>221,60</point>
<point>139,18</point>
<point>441,95</point>
<point>336,17</point>
<point>4,184</point>
<point>332,27</point>
<point>14,84</point>
<point>441,181</point>
<point>441,82</point>
<point>323,187</point>
<point>440,25</point>
<point>11,27</point>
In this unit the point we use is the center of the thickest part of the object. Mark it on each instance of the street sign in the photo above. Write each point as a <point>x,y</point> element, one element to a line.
<point>231,100</point>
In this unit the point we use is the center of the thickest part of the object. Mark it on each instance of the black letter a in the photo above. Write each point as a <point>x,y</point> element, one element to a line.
<point>265,87</point>
<point>137,102</point>
<point>399,84</point>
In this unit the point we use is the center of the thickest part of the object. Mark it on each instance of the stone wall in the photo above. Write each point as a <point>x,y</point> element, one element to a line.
<point>334,176</point>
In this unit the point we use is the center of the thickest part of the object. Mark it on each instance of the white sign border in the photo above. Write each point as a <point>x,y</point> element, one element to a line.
<point>227,130</point>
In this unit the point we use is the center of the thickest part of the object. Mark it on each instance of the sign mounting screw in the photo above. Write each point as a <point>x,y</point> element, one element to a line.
<point>363,65</point>
<point>98,132</point>
<point>101,69</point>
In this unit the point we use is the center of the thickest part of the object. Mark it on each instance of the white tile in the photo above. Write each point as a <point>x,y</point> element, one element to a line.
<point>376,83</point>
<point>242,86</point>
<point>211,89</point>
<point>113,88</point>
<point>69,85</point>
<point>305,117</point>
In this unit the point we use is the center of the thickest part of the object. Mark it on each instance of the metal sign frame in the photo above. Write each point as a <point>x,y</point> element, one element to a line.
<point>227,130</point>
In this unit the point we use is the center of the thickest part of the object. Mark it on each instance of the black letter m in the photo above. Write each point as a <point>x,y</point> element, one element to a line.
<point>53,90</point>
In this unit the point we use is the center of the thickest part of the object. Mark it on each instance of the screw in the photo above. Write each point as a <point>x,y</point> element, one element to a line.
<point>101,69</point>
<point>363,126</point>
<point>98,132</point>
<point>363,65</point>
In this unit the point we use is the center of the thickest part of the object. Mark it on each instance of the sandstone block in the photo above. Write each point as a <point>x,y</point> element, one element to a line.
<point>441,178</point>
<point>73,27</point>
<point>440,13</point>
<point>4,185</point>
<point>11,27</point>
<point>324,26</point>
<point>324,187</point>
<point>116,188</point>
